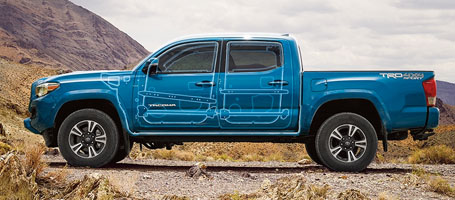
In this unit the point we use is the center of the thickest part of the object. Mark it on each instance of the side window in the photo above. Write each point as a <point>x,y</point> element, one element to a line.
<point>193,58</point>
<point>254,56</point>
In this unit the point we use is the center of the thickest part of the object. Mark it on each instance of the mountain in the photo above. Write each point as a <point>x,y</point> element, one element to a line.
<point>446,92</point>
<point>447,116</point>
<point>59,33</point>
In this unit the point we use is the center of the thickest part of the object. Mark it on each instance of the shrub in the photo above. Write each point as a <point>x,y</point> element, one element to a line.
<point>4,148</point>
<point>33,163</point>
<point>172,155</point>
<point>15,182</point>
<point>352,195</point>
<point>441,186</point>
<point>440,154</point>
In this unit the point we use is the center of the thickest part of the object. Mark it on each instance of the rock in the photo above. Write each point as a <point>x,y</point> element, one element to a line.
<point>2,131</point>
<point>247,175</point>
<point>24,60</point>
<point>15,183</point>
<point>64,71</point>
<point>304,162</point>
<point>266,183</point>
<point>52,152</point>
<point>198,170</point>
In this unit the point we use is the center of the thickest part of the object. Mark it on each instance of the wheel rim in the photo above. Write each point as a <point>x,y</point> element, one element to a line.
<point>87,139</point>
<point>347,143</point>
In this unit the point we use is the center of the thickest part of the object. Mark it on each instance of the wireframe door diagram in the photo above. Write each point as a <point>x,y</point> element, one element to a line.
<point>182,93</point>
<point>254,90</point>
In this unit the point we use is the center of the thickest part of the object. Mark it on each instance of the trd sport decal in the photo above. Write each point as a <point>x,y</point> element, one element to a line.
<point>405,76</point>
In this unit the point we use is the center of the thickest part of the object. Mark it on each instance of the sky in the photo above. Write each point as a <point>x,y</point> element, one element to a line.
<point>333,35</point>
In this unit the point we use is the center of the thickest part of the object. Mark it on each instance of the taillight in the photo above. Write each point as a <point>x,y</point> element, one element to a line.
<point>429,86</point>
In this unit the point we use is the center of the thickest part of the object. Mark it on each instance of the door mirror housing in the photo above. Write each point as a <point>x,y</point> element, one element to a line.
<point>150,67</point>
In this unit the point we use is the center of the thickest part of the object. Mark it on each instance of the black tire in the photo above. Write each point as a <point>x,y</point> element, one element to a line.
<point>311,151</point>
<point>349,153</point>
<point>88,151</point>
<point>122,153</point>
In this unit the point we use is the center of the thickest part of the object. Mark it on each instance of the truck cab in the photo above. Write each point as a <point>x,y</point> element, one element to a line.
<point>231,88</point>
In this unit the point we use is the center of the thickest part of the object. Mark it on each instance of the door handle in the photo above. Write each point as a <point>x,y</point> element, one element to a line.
<point>278,82</point>
<point>205,84</point>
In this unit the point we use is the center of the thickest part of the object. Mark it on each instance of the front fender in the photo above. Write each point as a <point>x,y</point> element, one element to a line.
<point>102,94</point>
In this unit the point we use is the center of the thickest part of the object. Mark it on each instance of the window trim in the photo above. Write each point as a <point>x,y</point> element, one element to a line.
<point>214,62</point>
<point>228,46</point>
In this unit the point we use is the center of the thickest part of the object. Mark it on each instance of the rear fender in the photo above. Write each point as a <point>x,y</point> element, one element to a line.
<point>348,94</point>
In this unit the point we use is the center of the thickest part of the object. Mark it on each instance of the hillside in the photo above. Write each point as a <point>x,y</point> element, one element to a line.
<point>15,82</point>
<point>59,33</point>
<point>446,92</point>
<point>447,116</point>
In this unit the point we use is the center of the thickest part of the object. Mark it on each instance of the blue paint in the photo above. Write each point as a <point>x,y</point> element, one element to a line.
<point>279,100</point>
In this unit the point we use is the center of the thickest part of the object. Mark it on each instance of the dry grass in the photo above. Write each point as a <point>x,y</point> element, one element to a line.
<point>226,152</point>
<point>59,175</point>
<point>432,182</point>
<point>440,154</point>
<point>441,186</point>
<point>15,182</point>
<point>174,197</point>
<point>292,187</point>
<point>237,196</point>
<point>352,194</point>
<point>33,163</point>
<point>4,148</point>
<point>163,154</point>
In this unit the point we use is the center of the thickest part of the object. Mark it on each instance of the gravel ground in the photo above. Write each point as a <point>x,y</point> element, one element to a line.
<point>152,179</point>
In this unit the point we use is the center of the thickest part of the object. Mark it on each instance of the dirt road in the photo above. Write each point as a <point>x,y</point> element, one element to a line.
<point>153,179</point>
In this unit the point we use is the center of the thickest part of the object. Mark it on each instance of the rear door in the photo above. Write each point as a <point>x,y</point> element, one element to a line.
<point>255,89</point>
<point>183,92</point>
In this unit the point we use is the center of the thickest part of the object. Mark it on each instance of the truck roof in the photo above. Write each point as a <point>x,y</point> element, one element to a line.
<point>239,35</point>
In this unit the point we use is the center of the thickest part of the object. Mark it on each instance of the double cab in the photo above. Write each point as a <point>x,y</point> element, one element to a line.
<point>232,88</point>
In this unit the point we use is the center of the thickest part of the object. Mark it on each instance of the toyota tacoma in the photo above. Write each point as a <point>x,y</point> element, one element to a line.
<point>232,88</point>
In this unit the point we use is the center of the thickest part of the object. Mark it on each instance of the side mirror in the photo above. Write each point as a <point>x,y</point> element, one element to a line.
<point>153,67</point>
<point>150,67</point>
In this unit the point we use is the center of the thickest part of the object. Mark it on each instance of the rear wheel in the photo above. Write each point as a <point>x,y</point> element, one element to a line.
<point>346,142</point>
<point>88,137</point>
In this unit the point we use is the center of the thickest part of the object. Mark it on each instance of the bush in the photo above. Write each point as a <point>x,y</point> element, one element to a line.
<point>4,148</point>
<point>441,186</point>
<point>352,195</point>
<point>440,154</point>
<point>33,163</point>
<point>15,182</point>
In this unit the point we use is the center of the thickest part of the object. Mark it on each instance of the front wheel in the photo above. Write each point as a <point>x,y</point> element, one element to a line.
<point>88,137</point>
<point>311,151</point>
<point>346,142</point>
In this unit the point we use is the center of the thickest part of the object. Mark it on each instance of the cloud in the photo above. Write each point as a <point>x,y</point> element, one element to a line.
<point>426,4</point>
<point>351,34</point>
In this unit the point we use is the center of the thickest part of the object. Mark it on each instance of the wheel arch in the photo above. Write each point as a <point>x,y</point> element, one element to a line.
<point>360,106</point>
<point>69,107</point>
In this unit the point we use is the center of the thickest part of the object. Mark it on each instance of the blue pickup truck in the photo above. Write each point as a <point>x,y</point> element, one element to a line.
<point>232,88</point>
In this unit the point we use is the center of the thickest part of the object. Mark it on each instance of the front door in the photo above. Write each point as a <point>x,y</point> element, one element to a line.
<point>255,89</point>
<point>182,93</point>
